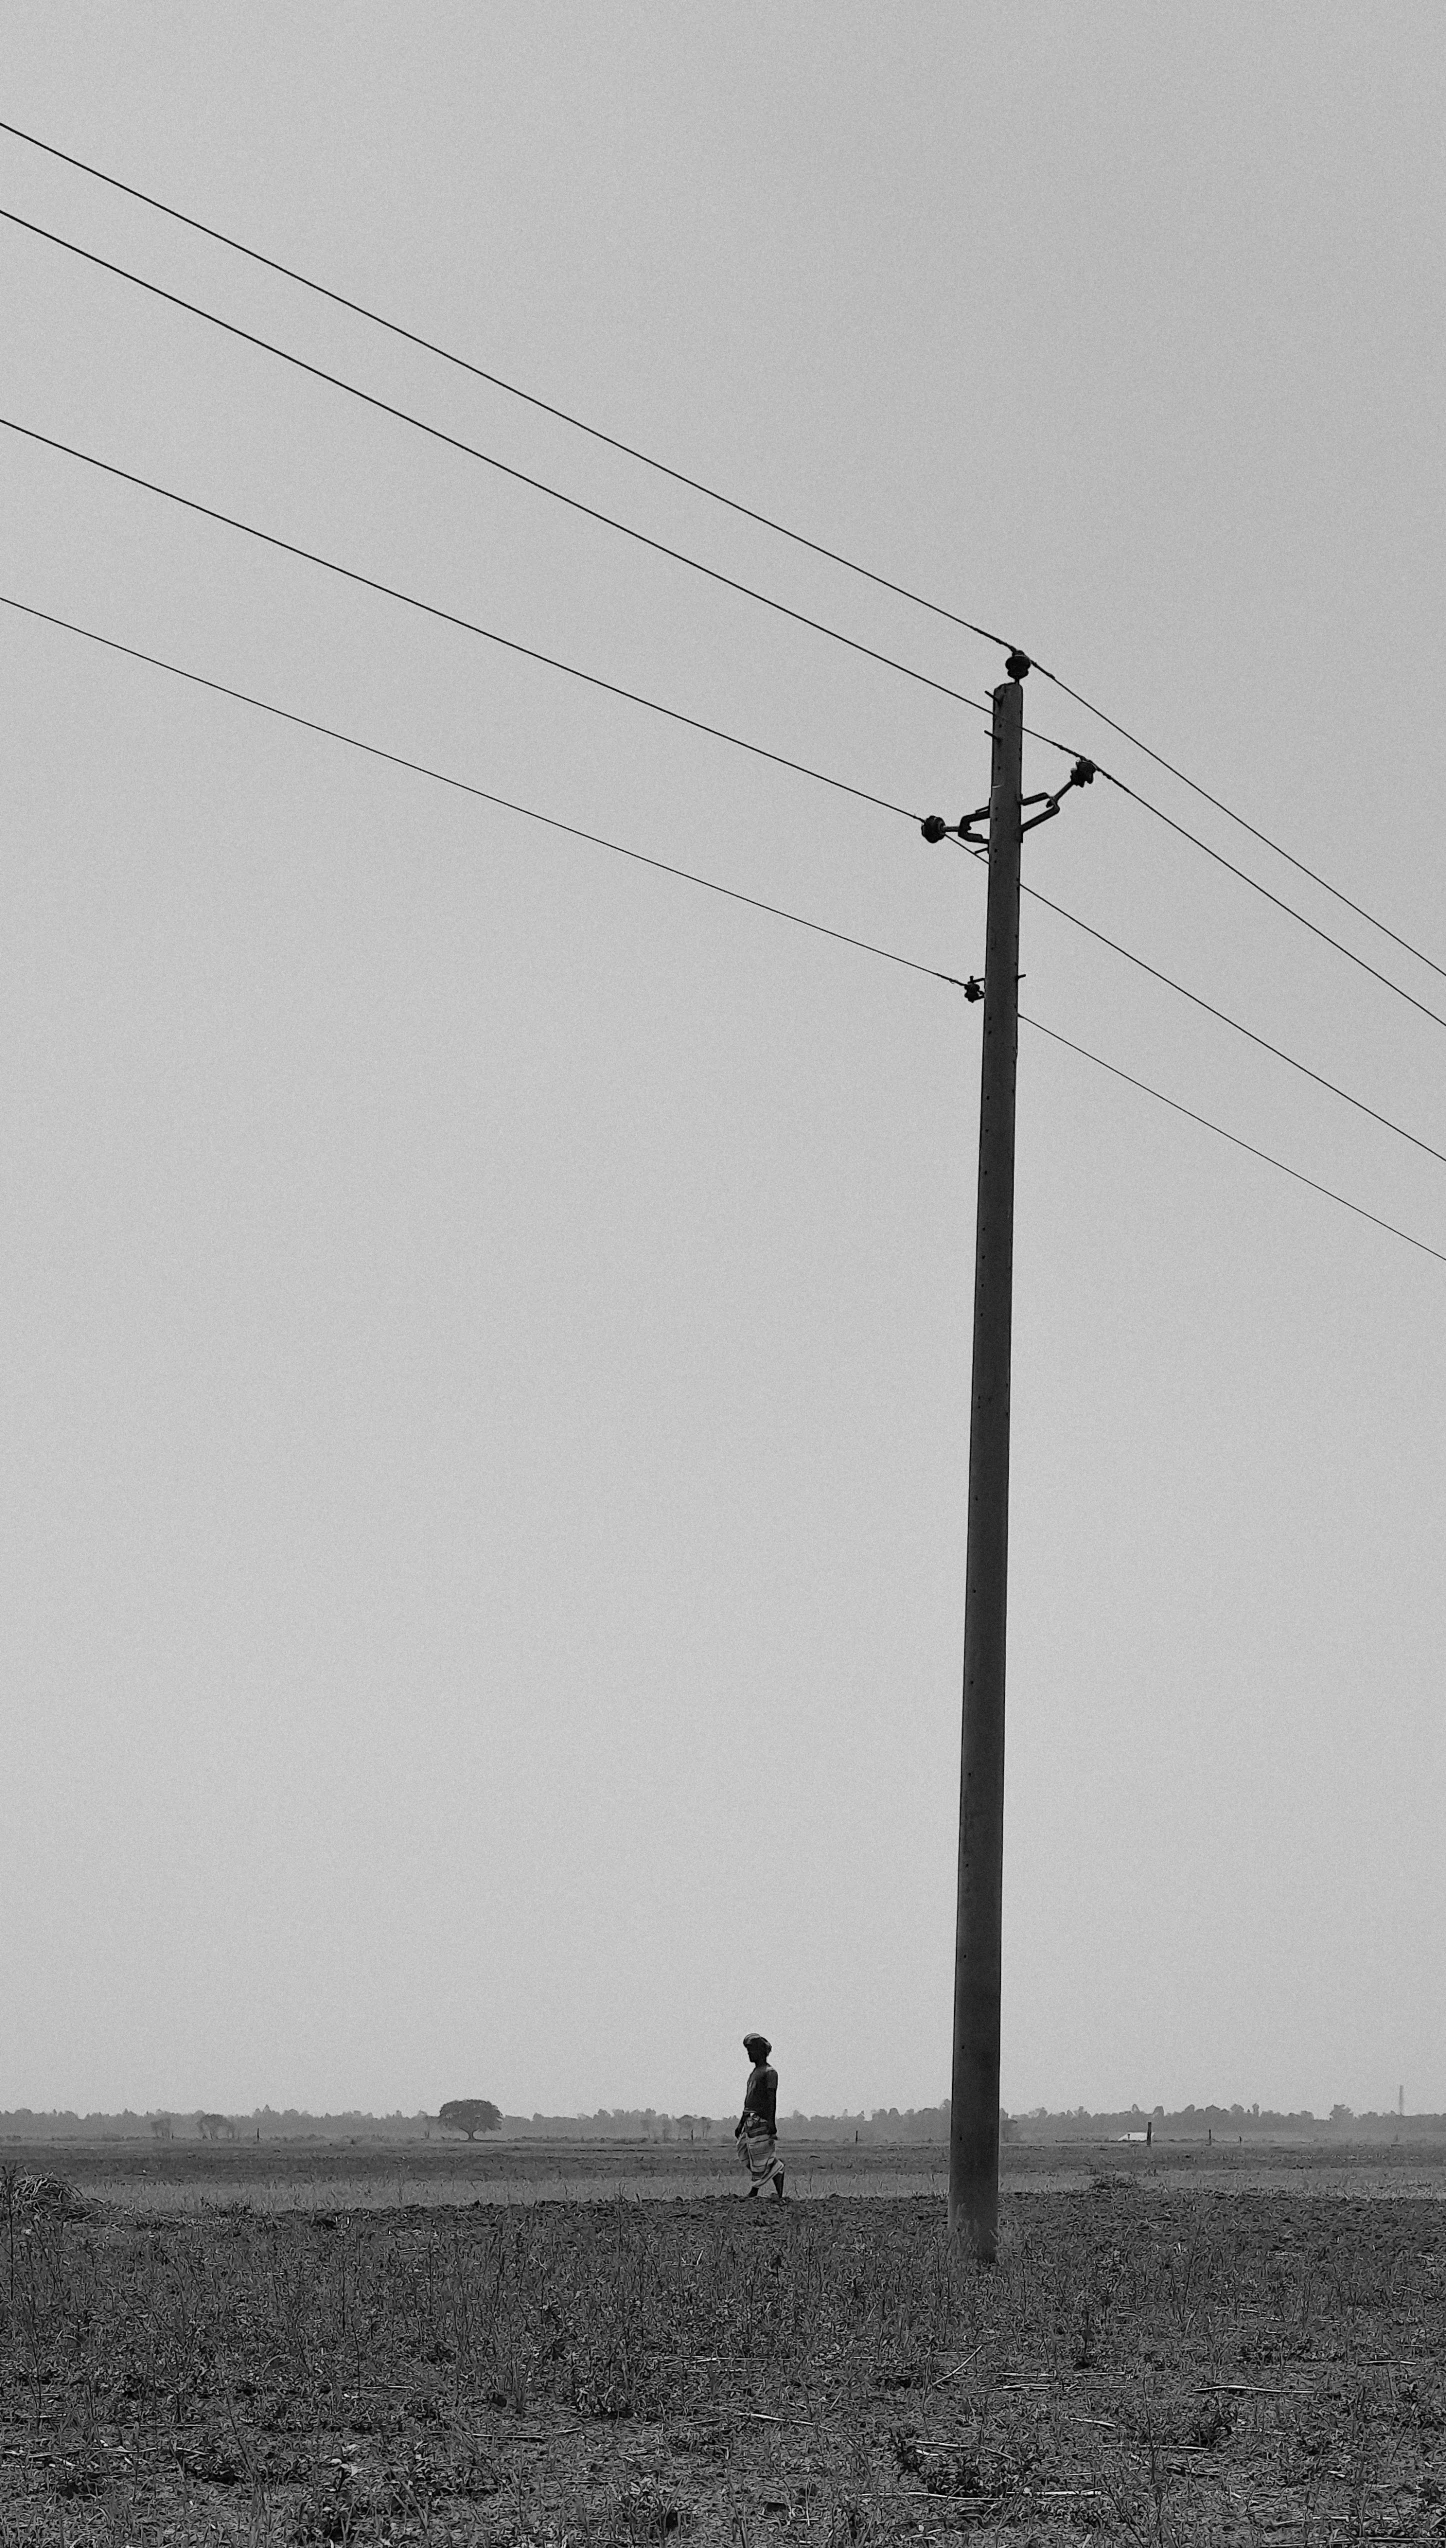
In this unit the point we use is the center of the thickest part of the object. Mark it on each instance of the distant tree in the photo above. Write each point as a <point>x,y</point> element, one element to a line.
<point>211,2126</point>
<point>1342,2114</point>
<point>161,2126</point>
<point>470,2115</point>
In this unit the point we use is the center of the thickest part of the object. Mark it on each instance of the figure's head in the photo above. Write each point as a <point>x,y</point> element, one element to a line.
<point>757,2047</point>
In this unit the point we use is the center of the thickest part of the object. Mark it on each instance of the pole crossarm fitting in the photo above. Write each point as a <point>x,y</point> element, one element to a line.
<point>935,829</point>
<point>1080,776</point>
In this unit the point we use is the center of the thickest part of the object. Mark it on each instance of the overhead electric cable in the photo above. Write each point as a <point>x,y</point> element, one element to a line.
<point>1197,1000</point>
<point>495,380</point>
<point>1231,816</point>
<point>453,619</point>
<point>715,495</point>
<point>685,875</point>
<point>489,460</point>
<point>681,557</point>
<point>1288,908</point>
<point>1234,1138</point>
<point>465,787</point>
<point>1243,876</point>
<point>698,725</point>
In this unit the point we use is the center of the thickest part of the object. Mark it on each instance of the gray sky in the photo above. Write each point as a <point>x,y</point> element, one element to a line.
<point>485,1327</point>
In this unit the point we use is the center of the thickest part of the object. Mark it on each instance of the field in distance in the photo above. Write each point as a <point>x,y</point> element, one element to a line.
<point>358,2174</point>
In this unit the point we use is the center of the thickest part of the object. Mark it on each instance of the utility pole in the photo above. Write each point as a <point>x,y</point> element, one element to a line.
<point>974,2110</point>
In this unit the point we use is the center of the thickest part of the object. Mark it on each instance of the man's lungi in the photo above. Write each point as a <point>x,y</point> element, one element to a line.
<point>758,2150</point>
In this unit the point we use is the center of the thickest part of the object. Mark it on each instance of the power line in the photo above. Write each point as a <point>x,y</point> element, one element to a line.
<point>1245,878</point>
<point>494,380</point>
<point>699,725</point>
<point>489,460</point>
<point>597,840</point>
<point>681,557</point>
<point>465,787</point>
<point>1197,1000</point>
<point>714,495</point>
<point>453,619</point>
<point>1234,1138</point>
<point>1231,816</point>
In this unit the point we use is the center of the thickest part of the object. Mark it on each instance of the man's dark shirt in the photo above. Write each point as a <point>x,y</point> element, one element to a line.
<point>761,2098</point>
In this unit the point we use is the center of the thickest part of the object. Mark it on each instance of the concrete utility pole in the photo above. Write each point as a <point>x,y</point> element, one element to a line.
<point>974,2113</point>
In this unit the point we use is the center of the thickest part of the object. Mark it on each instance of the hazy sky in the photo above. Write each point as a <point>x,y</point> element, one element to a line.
<point>485,1327</point>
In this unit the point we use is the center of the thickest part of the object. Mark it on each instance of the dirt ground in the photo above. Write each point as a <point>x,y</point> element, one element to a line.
<point>1164,2352</point>
<point>287,2175</point>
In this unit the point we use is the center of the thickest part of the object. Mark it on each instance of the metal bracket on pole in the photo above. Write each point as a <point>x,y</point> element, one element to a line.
<point>1080,776</point>
<point>935,829</point>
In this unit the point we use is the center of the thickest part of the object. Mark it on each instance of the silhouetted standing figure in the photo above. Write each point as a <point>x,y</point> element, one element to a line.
<point>756,2131</point>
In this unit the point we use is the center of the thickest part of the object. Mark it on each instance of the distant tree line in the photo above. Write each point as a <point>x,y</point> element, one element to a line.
<point>880,2125</point>
<point>1223,2123</point>
<point>647,2123</point>
<point>26,2123</point>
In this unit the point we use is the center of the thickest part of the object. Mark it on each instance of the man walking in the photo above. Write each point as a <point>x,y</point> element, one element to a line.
<point>756,2131</point>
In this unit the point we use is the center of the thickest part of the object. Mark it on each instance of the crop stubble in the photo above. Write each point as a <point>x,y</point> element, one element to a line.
<point>1154,2365</point>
